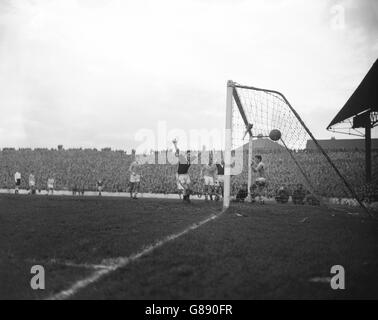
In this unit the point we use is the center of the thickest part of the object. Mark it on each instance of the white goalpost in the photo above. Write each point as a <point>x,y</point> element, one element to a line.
<point>262,121</point>
<point>228,146</point>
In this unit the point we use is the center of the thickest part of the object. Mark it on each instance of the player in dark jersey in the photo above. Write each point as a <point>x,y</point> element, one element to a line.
<point>99,185</point>
<point>219,183</point>
<point>183,178</point>
<point>17,182</point>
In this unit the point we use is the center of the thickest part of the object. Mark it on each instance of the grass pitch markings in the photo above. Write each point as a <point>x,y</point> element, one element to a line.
<point>110,265</point>
<point>67,263</point>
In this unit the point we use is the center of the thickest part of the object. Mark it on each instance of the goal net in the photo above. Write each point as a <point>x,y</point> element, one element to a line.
<point>297,168</point>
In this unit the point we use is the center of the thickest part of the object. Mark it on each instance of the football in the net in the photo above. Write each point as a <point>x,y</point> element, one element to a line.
<point>275,135</point>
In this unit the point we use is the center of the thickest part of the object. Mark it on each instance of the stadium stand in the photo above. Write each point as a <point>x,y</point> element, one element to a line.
<point>342,144</point>
<point>79,169</point>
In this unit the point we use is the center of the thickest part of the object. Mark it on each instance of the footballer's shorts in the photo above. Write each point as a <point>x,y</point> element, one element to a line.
<point>135,178</point>
<point>209,181</point>
<point>31,184</point>
<point>50,187</point>
<point>219,180</point>
<point>182,180</point>
<point>18,182</point>
<point>260,182</point>
<point>99,188</point>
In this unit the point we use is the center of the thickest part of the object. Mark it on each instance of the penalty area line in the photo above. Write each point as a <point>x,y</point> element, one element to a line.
<point>111,265</point>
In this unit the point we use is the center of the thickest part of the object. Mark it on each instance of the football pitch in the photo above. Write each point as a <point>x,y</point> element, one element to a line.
<point>117,248</point>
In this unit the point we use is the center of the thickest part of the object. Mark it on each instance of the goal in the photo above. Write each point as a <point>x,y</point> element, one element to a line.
<point>296,163</point>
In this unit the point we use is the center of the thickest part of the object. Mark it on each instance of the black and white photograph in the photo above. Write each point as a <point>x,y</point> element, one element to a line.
<point>188,154</point>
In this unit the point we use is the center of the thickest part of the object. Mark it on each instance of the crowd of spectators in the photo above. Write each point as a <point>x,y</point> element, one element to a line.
<point>79,169</point>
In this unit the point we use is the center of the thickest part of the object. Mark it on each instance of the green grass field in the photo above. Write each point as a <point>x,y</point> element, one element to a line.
<point>247,252</point>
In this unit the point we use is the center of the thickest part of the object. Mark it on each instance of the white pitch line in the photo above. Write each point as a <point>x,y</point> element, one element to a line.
<point>67,263</point>
<point>111,265</point>
<point>83,265</point>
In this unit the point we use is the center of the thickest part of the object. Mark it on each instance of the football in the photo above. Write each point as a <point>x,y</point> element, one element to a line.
<point>275,135</point>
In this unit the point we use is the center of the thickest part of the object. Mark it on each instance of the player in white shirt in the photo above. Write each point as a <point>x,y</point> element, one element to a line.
<point>50,186</point>
<point>135,175</point>
<point>17,182</point>
<point>31,184</point>
<point>209,173</point>
<point>259,168</point>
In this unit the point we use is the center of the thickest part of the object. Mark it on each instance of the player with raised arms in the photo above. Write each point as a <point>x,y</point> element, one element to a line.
<point>258,167</point>
<point>183,178</point>
<point>135,174</point>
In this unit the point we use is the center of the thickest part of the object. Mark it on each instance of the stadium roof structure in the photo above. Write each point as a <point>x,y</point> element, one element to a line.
<point>363,102</point>
<point>360,111</point>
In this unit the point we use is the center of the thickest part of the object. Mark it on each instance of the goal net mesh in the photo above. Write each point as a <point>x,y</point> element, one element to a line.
<point>294,163</point>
